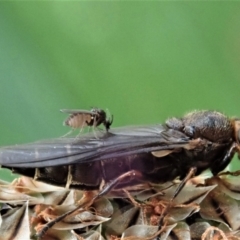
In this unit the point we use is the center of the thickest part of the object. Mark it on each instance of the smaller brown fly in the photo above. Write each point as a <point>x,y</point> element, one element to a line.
<point>84,118</point>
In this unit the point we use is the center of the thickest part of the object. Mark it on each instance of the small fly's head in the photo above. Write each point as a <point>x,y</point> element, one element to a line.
<point>98,116</point>
<point>101,117</point>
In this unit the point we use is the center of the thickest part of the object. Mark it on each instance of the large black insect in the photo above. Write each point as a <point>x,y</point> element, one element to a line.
<point>201,139</point>
<point>130,155</point>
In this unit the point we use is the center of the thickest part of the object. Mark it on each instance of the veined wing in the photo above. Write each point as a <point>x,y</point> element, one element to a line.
<point>118,142</point>
<point>72,111</point>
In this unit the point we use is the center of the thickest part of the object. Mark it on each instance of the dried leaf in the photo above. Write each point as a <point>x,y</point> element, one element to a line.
<point>15,224</point>
<point>220,207</point>
<point>91,235</point>
<point>142,231</point>
<point>120,221</point>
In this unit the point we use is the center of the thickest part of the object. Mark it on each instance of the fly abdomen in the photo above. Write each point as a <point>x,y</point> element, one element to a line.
<point>78,120</point>
<point>85,176</point>
<point>77,176</point>
<point>82,118</point>
<point>53,175</point>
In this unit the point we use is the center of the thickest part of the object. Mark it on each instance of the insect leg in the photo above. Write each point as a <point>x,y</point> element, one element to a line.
<point>190,174</point>
<point>235,173</point>
<point>93,123</point>
<point>81,129</point>
<point>68,133</point>
<point>79,133</point>
<point>94,132</point>
<point>109,186</point>
<point>87,200</point>
<point>225,161</point>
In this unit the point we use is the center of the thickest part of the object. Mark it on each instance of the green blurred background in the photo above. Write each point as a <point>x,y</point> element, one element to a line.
<point>144,61</point>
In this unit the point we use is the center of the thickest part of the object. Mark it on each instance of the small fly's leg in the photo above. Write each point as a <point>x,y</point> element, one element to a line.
<point>190,174</point>
<point>81,129</point>
<point>95,134</point>
<point>87,200</point>
<point>71,131</point>
<point>68,133</point>
<point>93,124</point>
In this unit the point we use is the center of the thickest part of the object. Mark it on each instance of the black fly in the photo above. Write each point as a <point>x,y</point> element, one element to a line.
<point>201,139</point>
<point>82,118</point>
<point>127,156</point>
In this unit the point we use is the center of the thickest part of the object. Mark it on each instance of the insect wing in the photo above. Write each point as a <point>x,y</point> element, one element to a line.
<point>117,143</point>
<point>78,111</point>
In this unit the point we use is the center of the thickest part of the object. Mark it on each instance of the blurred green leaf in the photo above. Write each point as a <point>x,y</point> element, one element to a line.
<point>144,61</point>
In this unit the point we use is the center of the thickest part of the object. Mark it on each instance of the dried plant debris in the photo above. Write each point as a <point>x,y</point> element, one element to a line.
<point>206,208</point>
<point>15,223</point>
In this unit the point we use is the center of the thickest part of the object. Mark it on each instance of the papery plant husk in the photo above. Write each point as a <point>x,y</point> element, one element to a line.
<point>206,208</point>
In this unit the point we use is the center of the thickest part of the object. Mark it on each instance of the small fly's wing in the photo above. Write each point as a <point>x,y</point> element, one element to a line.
<point>78,111</point>
<point>119,142</point>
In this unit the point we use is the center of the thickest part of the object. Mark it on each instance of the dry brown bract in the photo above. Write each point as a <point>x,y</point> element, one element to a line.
<point>206,208</point>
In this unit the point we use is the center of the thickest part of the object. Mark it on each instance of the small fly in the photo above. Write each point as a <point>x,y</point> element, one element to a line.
<point>84,118</point>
